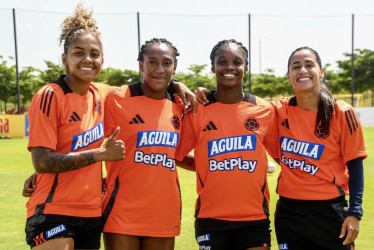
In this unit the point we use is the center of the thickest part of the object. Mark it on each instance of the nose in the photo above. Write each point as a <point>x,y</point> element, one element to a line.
<point>87,58</point>
<point>160,68</point>
<point>303,69</point>
<point>230,66</point>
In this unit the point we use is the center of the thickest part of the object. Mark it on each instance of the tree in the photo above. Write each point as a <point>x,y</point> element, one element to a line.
<point>7,81</point>
<point>117,77</point>
<point>269,85</point>
<point>196,79</point>
<point>30,82</point>
<point>51,74</point>
<point>363,69</point>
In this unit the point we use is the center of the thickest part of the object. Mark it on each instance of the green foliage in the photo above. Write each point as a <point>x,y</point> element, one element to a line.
<point>269,85</point>
<point>52,72</point>
<point>196,78</point>
<point>363,70</point>
<point>117,77</point>
<point>7,81</point>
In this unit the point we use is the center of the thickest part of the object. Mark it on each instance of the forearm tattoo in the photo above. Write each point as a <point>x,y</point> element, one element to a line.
<point>45,160</point>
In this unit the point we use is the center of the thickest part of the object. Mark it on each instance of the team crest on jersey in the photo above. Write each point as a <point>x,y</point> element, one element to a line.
<point>98,107</point>
<point>232,144</point>
<point>176,122</point>
<point>157,138</point>
<point>321,133</point>
<point>86,138</point>
<point>251,124</point>
<point>302,148</point>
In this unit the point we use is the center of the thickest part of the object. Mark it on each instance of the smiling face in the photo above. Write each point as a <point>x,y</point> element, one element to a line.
<point>83,59</point>
<point>158,66</point>
<point>304,72</point>
<point>229,65</point>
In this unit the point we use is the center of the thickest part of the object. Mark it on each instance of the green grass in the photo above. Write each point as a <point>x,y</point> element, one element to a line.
<point>16,166</point>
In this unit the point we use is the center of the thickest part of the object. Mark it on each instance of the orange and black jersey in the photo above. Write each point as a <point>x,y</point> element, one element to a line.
<point>313,162</point>
<point>230,142</point>
<point>67,122</point>
<point>143,194</point>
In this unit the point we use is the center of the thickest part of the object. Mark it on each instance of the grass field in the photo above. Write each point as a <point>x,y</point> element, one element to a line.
<point>15,167</point>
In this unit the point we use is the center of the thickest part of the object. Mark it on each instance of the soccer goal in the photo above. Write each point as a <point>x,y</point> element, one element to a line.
<point>358,99</point>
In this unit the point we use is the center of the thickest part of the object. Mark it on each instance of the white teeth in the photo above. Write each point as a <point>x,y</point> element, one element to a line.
<point>86,68</point>
<point>228,75</point>
<point>304,79</point>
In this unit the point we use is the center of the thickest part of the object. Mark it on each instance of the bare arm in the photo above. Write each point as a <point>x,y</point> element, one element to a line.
<point>188,162</point>
<point>45,160</point>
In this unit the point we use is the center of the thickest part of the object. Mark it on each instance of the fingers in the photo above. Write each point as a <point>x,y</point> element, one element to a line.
<point>29,186</point>
<point>33,181</point>
<point>201,94</point>
<point>351,228</point>
<point>343,230</point>
<point>115,133</point>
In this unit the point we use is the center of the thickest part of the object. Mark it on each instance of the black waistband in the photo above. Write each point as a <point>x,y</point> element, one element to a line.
<point>293,201</point>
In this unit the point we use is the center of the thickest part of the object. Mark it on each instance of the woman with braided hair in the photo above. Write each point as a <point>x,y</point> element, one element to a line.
<point>142,205</point>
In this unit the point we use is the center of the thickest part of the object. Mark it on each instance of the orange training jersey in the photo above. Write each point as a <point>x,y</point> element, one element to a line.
<point>67,122</point>
<point>230,142</point>
<point>143,196</point>
<point>313,163</point>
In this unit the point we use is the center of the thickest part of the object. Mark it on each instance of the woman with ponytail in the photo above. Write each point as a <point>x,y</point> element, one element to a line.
<point>321,157</point>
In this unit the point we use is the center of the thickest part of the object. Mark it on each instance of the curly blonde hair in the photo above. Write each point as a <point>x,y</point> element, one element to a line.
<point>81,23</point>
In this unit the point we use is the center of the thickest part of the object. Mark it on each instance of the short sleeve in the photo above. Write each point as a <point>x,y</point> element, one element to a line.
<point>352,139</point>
<point>188,137</point>
<point>271,139</point>
<point>44,118</point>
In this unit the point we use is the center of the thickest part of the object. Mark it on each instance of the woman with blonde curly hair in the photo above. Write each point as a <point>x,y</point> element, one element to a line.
<point>66,132</point>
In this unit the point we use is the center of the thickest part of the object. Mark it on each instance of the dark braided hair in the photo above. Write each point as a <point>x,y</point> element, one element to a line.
<point>226,42</point>
<point>147,44</point>
<point>326,105</point>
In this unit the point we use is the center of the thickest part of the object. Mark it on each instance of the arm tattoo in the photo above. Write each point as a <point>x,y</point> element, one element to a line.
<point>45,160</point>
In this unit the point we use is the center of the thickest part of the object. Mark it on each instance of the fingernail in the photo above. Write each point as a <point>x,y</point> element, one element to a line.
<point>186,106</point>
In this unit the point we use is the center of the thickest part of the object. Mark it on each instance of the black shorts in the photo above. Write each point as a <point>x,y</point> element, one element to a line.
<point>301,224</point>
<point>86,232</point>
<point>236,235</point>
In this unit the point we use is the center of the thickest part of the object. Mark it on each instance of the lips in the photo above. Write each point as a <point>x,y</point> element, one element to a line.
<point>158,78</point>
<point>229,75</point>
<point>304,79</point>
<point>86,68</point>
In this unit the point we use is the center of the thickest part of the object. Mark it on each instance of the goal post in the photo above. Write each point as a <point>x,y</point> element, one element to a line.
<point>358,99</point>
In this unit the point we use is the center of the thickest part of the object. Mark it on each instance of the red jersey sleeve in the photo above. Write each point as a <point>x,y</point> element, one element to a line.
<point>352,139</point>
<point>43,118</point>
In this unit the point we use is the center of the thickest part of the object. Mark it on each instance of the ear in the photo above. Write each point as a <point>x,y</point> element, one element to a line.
<point>288,78</point>
<point>141,66</point>
<point>102,63</point>
<point>64,59</point>
<point>246,69</point>
<point>213,69</point>
<point>175,68</point>
<point>322,73</point>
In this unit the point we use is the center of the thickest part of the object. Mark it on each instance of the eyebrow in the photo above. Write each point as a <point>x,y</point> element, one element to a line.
<point>307,61</point>
<point>165,58</point>
<point>77,47</point>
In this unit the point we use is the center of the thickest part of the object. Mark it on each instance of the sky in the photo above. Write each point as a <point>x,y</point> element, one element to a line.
<point>194,27</point>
